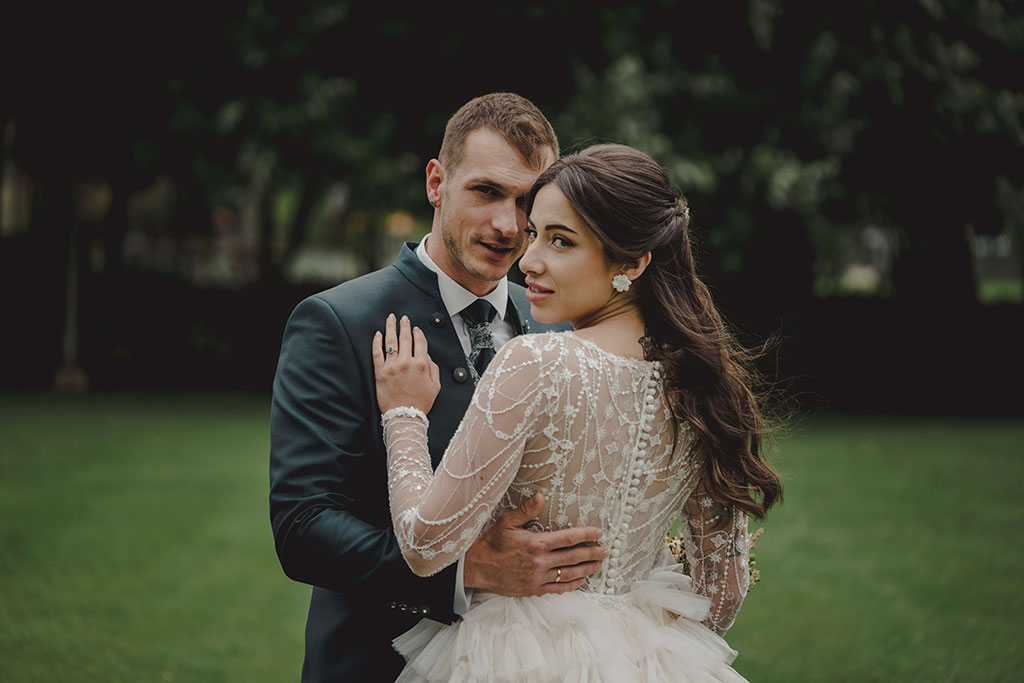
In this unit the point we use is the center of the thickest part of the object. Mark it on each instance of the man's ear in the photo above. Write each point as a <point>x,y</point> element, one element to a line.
<point>435,181</point>
<point>641,265</point>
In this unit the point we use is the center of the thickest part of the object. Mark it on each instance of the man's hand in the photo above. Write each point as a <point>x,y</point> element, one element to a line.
<point>510,560</point>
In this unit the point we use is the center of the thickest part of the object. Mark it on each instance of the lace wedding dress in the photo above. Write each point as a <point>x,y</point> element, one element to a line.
<point>593,431</point>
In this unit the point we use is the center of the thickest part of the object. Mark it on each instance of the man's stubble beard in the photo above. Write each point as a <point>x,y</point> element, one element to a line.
<point>460,259</point>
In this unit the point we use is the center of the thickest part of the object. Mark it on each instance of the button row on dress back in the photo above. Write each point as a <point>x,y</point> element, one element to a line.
<point>648,408</point>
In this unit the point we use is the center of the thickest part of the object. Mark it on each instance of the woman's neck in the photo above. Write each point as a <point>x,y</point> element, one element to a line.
<point>616,327</point>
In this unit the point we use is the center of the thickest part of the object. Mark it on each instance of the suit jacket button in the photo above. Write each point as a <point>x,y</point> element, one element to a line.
<point>392,605</point>
<point>460,375</point>
<point>437,319</point>
<point>404,607</point>
<point>424,610</point>
<point>526,326</point>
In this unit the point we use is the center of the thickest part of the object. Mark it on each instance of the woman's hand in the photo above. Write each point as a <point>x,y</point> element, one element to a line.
<point>405,374</point>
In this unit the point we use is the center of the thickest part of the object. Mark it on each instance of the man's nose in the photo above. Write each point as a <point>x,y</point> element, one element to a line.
<point>509,219</point>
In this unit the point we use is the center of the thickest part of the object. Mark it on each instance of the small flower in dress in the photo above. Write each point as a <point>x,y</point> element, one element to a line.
<point>677,546</point>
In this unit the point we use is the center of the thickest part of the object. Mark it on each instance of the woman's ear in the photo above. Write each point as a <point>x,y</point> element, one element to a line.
<point>641,265</point>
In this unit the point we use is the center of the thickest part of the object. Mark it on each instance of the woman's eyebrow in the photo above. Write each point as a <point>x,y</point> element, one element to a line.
<point>556,226</point>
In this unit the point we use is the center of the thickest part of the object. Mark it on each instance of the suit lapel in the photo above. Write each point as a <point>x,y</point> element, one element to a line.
<point>413,270</point>
<point>431,316</point>
<point>519,326</point>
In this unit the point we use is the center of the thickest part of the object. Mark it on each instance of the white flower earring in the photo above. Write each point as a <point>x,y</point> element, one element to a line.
<point>621,283</point>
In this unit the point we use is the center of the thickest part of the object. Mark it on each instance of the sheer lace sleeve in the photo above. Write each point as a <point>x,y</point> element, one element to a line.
<point>438,515</point>
<point>718,546</point>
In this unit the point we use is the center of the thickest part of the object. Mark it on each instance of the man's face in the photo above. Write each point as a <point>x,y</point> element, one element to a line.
<point>482,216</point>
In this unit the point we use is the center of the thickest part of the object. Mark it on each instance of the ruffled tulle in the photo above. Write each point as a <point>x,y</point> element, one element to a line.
<point>653,633</point>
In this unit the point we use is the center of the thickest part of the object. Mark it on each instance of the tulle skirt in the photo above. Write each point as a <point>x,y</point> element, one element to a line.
<point>653,633</point>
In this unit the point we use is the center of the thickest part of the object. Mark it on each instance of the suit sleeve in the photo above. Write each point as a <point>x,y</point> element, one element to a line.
<point>324,470</point>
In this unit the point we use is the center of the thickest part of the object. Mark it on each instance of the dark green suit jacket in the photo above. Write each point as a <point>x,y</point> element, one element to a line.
<point>328,474</point>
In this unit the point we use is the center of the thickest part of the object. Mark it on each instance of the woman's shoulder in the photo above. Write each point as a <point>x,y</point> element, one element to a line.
<point>559,345</point>
<point>529,362</point>
<point>535,355</point>
<point>538,346</point>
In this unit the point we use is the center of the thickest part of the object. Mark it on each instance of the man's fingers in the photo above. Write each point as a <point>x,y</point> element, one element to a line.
<point>565,578</point>
<point>562,586</point>
<point>525,512</point>
<point>570,573</point>
<point>567,538</point>
<point>579,555</point>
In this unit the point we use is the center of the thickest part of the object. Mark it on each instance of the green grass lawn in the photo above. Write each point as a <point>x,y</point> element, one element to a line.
<point>137,544</point>
<point>136,547</point>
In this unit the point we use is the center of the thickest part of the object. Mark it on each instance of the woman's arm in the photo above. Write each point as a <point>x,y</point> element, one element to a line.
<point>438,515</point>
<point>717,545</point>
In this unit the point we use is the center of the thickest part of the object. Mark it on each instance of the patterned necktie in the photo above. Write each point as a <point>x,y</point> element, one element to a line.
<point>478,316</point>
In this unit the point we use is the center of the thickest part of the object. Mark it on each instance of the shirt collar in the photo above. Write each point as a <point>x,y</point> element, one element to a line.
<point>455,296</point>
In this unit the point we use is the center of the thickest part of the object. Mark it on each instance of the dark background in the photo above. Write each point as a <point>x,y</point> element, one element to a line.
<point>175,178</point>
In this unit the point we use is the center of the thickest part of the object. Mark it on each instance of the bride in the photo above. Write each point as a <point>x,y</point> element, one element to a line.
<point>643,413</point>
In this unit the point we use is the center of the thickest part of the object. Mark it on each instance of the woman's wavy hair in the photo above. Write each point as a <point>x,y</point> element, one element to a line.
<point>626,198</point>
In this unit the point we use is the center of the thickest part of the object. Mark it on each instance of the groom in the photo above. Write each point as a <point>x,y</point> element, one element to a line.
<point>328,472</point>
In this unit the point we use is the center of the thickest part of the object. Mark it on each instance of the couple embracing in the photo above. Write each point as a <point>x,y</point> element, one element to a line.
<point>478,492</point>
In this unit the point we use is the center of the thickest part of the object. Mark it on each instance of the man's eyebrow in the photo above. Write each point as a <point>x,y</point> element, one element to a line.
<point>484,180</point>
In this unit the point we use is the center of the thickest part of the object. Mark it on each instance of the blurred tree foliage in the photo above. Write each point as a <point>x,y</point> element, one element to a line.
<point>785,122</point>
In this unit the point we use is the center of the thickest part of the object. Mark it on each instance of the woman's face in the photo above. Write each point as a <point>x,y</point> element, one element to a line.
<point>567,273</point>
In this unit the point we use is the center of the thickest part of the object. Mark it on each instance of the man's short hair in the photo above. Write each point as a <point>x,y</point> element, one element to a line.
<point>512,116</point>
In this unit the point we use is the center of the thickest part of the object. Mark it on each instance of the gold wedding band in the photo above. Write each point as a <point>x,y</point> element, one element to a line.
<point>558,575</point>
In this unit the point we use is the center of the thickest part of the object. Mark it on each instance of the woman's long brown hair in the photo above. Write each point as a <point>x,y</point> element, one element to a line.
<point>626,198</point>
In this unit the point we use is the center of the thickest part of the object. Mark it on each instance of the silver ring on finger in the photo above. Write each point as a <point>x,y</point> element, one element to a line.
<point>558,575</point>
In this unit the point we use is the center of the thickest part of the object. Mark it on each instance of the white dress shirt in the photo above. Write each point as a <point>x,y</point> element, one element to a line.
<point>456,298</point>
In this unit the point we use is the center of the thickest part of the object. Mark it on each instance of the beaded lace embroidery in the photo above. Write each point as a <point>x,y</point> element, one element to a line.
<point>593,431</point>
